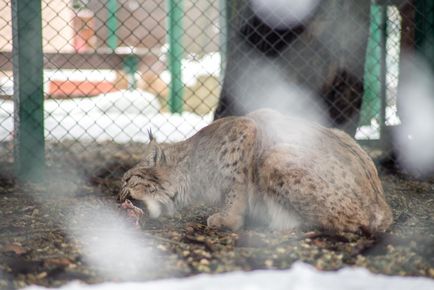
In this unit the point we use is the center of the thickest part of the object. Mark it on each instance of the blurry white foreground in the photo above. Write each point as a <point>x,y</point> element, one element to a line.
<point>109,243</point>
<point>415,138</point>
<point>283,13</point>
<point>299,277</point>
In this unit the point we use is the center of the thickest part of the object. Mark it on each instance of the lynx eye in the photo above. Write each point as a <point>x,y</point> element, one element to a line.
<point>152,190</point>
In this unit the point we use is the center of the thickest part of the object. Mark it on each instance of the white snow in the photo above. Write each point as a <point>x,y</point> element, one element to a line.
<point>372,131</point>
<point>299,277</point>
<point>122,116</point>
<point>194,67</point>
<point>94,75</point>
<point>124,101</point>
<point>125,116</point>
<point>6,86</point>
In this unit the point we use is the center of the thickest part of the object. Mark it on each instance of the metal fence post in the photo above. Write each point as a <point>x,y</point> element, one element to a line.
<point>174,33</point>
<point>223,22</point>
<point>28,89</point>
<point>112,24</point>
<point>372,86</point>
<point>383,72</point>
<point>130,64</point>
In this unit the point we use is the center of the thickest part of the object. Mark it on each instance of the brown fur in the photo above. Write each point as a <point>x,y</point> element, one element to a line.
<point>280,170</point>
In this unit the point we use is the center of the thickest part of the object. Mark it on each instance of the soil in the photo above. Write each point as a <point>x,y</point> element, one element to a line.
<point>36,246</point>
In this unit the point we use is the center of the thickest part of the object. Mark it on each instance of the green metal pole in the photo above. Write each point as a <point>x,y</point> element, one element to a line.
<point>28,89</point>
<point>131,63</point>
<point>112,24</point>
<point>176,51</point>
<point>372,84</point>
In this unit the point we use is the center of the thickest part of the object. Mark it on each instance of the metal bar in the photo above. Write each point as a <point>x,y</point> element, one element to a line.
<point>372,87</point>
<point>112,24</point>
<point>131,62</point>
<point>176,51</point>
<point>28,89</point>
<point>223,21</point>
<point>383,81</point>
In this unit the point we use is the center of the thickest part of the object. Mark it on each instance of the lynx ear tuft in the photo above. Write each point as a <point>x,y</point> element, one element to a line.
<point>154,154</point>
<point>151,136</point>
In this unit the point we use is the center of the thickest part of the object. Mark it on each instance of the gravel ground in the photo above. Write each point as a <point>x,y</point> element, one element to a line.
<point>38,244</point>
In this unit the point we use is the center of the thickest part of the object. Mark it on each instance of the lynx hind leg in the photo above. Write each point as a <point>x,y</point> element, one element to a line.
<point>299,192</point>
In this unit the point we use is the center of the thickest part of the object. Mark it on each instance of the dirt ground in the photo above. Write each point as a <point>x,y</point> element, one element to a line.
<point>37,248</point>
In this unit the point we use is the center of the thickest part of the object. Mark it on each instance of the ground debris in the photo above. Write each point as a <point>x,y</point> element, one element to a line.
<point>37,248</point>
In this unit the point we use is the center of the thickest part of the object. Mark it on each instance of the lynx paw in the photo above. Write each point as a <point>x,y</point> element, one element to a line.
<point>221,221</point>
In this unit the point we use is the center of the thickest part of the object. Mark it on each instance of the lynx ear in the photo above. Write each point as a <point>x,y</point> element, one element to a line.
<point>154,154</point>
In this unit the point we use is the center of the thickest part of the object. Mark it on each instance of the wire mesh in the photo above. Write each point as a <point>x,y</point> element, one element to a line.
<point>107,68</point>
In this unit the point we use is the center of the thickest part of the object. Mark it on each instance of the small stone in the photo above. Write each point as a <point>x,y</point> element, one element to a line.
<point>204,262</point>
<point>41,275</point>
<point>200,238</point>
<point>185,253</point>
<point>281,250</point>
<point>58,262</point>
<point>21,284</point>
<point>268,263</point>
<point>28,208</point>
<point>15,248</point>
<point>35,212</point>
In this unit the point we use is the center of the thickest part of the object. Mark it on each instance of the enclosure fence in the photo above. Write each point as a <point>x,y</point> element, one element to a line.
<point>80,73</point>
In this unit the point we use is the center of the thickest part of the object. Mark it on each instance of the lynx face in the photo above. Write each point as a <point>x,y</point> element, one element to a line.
<point>149,182</point>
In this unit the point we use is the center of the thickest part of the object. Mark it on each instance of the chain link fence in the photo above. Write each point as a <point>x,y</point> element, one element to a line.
<point>115,69</point>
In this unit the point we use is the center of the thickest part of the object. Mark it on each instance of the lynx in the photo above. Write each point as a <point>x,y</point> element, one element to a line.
<point>277,170</point>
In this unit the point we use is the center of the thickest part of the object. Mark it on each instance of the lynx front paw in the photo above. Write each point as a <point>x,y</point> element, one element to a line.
<point>221,221</point>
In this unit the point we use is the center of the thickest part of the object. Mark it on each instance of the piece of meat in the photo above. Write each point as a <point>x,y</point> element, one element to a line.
<point>133,211</point>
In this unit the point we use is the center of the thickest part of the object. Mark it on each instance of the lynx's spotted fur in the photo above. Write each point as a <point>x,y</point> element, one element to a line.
<point>279,170</point>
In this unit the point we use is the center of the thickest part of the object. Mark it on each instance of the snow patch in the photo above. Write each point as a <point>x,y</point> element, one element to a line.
<point>193,67</point>
<point>299,277</point>
<point>123,116</point>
